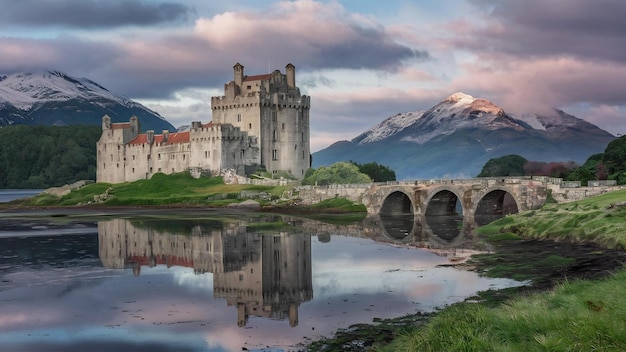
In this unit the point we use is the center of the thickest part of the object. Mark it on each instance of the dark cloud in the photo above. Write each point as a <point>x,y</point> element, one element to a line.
<point>580,28</point>
<point>64,53</point>
<point>90,14</point>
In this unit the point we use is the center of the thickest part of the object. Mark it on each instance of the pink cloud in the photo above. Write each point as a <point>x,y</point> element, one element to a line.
<point>523,85</point>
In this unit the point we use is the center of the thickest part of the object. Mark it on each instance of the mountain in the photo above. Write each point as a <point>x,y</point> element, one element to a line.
<point>54,98</point>
<point>456,137</point>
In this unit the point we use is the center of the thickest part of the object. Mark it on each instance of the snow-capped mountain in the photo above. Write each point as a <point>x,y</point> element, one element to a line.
<point>54,98</point>
<point>458,135</point>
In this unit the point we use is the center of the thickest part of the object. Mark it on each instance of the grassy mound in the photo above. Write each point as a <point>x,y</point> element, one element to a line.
<point>600,220</point>
<point>161,189</point>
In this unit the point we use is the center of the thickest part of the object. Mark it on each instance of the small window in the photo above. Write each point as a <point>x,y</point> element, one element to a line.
<point>239,115</point>
<point>249,126</point>
<point>283,126</point>
<point>249,87</point>
<point>133,157</point>
<point>275,154</point>
<point>133,170</point>
<point>159,156</point>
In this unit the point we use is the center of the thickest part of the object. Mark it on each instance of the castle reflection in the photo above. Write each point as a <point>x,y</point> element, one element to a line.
<point>262,272</point>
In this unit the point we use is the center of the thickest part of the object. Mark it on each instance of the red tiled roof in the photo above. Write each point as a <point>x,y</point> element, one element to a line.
<point>173,138</point>
<point>170,260</point>
<point>120,125</point>
<point>258,77</point>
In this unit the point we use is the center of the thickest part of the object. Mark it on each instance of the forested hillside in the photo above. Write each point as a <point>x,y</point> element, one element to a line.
<point>47,156</point>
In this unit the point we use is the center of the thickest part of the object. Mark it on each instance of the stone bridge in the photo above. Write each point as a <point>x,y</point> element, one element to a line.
<point>470,197</point>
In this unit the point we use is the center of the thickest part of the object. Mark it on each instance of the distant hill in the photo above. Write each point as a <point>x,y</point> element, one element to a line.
<point>56,99</point>
<point>456,137</point>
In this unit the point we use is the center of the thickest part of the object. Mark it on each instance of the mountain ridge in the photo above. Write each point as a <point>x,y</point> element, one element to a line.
<point>458,135</point>
<point>55,98</point>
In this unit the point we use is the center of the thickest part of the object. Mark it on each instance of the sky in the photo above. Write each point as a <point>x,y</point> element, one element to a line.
<point>360,61</point>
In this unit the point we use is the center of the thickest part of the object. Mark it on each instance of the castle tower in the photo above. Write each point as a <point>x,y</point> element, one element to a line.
<point>270,108</point>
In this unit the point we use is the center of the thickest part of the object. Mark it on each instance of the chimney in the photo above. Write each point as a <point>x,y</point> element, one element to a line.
<point>291,75</point>
<point>166,134</point>
<point>150,135</point>
<point>238,71</point>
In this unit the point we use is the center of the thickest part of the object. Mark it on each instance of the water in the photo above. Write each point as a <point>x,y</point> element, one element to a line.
<point>216,282</point>
<point>7,195</point>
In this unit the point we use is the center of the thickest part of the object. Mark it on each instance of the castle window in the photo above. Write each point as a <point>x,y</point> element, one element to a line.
<point>206,154</point>
<point>150,169</point>
<point>159,156</point>
<point>133,170</point>
<point>104,166</point>
<point>239,115</point>
<point>118,165</point>
<point>274,117</point>
<point>133,157</point>
<point>172,170</point>
<point>148,156</point>
<point>303,136</point>
<point>242,153</point>
<point>274,136</point>
<point>283,126</point>
<point>159,170</point>
<point>249,87</point>
<point>275,154</point>
<point>303,155</point>
<point>183,156</point>
<point>249,126</point>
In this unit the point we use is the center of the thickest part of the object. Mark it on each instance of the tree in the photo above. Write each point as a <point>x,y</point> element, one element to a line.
<point>337,173</point>
<point>45,156</point>
<point>508,165</point>
<point>614,159</point>
<point>601,172</point>
<point>378,173</point>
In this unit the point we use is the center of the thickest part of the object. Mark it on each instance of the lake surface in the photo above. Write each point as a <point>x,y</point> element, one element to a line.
<point>214,281</point>
<point>7,195</point>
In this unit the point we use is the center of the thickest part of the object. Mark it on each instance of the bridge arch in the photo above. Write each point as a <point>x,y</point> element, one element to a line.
<point>495,203</point>
<point>443,201</point>
<point>397,203</point>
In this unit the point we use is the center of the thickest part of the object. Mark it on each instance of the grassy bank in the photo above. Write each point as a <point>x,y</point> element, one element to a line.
<point>580,315</point>
<point>184,191</point>
<point>600,220</point>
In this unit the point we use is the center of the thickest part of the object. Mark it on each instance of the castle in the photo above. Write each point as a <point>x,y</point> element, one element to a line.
<point>260,120</point>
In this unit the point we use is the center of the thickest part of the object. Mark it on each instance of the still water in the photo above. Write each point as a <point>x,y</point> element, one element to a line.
<point>7,195</point>
<point>213,281</point>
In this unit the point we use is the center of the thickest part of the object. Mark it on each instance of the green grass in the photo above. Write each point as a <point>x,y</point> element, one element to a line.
<point>576,316</point>
<point>339,204</point>
<point>180,189</point>
<point>596,219</point>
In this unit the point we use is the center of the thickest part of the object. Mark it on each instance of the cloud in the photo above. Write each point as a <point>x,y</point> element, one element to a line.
<point>520,85</point>
<point>580,28</point>
<point>314,34</point>
<point>66,53</point>
<point>90,14</point>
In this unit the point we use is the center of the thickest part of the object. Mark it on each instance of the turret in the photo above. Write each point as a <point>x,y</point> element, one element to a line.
<point>291,75</point>
<point>134,125</point>
<point>106,122</point>
<point>238,71</point>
